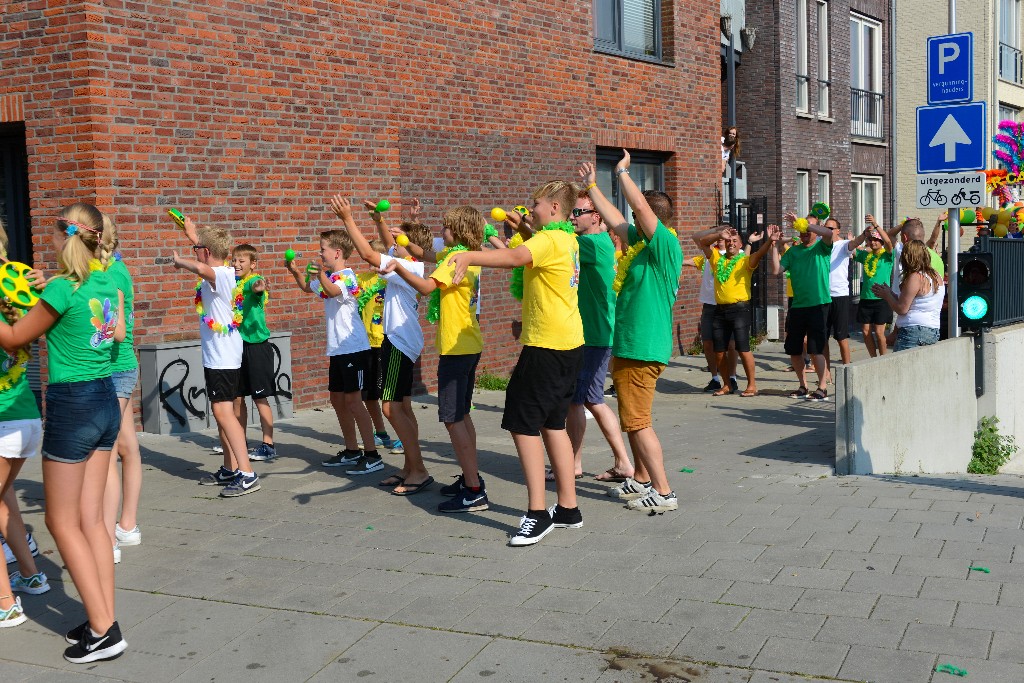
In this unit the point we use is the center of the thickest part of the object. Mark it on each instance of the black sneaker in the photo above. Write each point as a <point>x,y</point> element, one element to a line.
<point>345,457</point>
<point>733,385</point>
<point>90,649</point>
<point>366,465</point>
<point>453,488</point>
<point>75,635</point>
<point>610,391</point>
<point>565,518</point>
<point>713,385</point>
<point>466,501</point>
<point>532,527</point>
<point>221,477</point>
<point>264,451</point>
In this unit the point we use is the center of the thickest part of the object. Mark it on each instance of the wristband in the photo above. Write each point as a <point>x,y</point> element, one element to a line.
<point>620,171</point>
<point>590,187</point>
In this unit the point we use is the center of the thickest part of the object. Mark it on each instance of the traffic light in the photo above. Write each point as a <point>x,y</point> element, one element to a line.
<point>975,291</point>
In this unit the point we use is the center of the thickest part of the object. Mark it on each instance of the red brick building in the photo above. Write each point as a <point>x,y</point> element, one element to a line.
<point>249,115</point>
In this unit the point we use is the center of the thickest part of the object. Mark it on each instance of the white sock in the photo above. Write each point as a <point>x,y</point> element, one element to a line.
<point>717,378</point>
<point>248,474</point>
<point>732,377</point>
<point>94,634</point>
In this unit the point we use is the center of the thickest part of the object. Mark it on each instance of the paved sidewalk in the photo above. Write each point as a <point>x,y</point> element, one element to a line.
<point>773,567</point>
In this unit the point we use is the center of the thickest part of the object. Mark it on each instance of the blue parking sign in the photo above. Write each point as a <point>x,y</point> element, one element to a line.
<point>951,68</point>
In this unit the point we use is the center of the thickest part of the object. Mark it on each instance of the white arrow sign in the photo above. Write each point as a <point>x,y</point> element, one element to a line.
<point>950,134</point>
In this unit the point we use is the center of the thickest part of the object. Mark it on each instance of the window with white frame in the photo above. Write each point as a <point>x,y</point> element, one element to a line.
<point>628,27</point>
<point>866,104</point>
<point>824,187</point>
<point>802,77</point>
<point>824,62</point>
<point>866,199</point>
<point>1010,62</point>
<point>803,193</point>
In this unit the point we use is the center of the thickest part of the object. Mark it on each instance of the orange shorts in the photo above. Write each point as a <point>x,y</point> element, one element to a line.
<point>634,387</point>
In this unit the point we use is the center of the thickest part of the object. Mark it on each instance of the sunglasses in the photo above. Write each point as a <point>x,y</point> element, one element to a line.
<point>197,247</point>
<point>576,213</point>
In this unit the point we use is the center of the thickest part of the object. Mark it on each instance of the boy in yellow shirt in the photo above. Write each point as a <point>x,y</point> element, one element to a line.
<point>542,383</point>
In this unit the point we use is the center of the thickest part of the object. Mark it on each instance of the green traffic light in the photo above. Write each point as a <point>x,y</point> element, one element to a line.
<point>974,307</point>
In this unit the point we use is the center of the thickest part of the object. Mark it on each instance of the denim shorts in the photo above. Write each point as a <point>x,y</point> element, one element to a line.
<point>914,336</point>
<point>81,417</point>
<point>124,382</point>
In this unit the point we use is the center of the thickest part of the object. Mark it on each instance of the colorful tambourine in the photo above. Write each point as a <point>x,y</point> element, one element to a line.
<point>14,284</point>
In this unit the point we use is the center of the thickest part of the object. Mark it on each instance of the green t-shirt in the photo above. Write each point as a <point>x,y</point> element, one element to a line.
<point>882,276</point>
<point>597,298</point>
<point>808,269</point>
<point>16,402</point>
<point>643,312</point>
<point>254,315</point>
<point>80,342</point>
<point>122,357</point>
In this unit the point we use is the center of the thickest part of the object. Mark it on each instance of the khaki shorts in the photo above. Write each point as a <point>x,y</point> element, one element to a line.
<point>634,386</point>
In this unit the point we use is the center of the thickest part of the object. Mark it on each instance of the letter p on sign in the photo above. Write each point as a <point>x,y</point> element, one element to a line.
<point>948,52</point>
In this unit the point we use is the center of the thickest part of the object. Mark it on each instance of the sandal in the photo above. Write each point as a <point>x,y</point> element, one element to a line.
<point>750,394</point>
<point>724,391</point>
<point>413,489</point>
<point>818,395</point>
<point>799,393</point>
<point>610,475</point>
<point>549,475</point>
<point>393,480</point>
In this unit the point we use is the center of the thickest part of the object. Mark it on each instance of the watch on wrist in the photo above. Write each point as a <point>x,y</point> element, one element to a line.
<point>620,171</point>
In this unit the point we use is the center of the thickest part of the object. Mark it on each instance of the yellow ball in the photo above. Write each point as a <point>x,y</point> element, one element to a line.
<point>402,240</point>
<point>1004,216</point>
<point>1000,230</point>
<point>800,224</point>
<point>498,214</point>
<point>987,212</point>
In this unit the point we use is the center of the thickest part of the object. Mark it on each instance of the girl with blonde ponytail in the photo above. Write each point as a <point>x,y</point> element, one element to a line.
<point>81,313</point>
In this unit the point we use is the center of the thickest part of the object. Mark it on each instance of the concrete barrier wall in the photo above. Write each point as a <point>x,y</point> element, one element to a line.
<point>908,412</point>
<point>1004,378</point>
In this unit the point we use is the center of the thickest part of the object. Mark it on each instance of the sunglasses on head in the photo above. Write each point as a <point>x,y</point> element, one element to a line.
<point>576,213</point>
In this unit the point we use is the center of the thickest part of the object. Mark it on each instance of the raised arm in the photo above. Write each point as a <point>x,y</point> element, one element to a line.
<point>852,245</point>
<point>775,264</point>
<point>705,238</point>
<point>421,284</point>
<point>821,231</point>
<point>190,231</point>
<point>342,208</point>
<point>646,220</point>
<point>611,216</point>
<point>297,274</point>
<point>201,269</point>
<point>774,233</point>
<point>933,239</point>
<point>385,233</point>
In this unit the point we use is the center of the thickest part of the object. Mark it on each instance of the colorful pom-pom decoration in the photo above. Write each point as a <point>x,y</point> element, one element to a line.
<point>800,225</point>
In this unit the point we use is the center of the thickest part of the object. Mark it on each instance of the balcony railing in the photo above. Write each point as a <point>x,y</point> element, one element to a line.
<point>867,115</point>
<point>1011,67</point>
<point>802,97</point>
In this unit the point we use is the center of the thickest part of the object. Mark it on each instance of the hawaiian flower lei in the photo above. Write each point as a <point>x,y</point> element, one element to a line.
<point>871,263</point>
<point>252,276</point>
<point>622,269</point>
<point>515,285</point>
<point>723,271</point>
<point>350,284</point>
<point>434,304</point>
<point>17,369</point>
<point>367,294</point>
<point>236,317</point>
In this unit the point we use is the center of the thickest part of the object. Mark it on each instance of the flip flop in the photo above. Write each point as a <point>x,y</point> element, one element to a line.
<point>549,475</point>
<point>414,488</point>
<point>610,475</point>
<point>386,481</point>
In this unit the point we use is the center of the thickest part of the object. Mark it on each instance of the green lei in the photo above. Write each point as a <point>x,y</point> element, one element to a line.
<point>434,304</point>
<point>722,274</point>
<point>367,295</point>
<point>515,285</point>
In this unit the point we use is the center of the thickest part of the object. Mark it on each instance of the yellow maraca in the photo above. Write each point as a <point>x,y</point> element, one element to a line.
<point>498,214</point>
<point>402,241</point>
<point>14,284</point>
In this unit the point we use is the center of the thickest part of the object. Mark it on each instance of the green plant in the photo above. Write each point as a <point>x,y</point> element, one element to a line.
<point>991,449</point>
<point>757,339</point>
<point>486,380</point>
<point>696,348</point>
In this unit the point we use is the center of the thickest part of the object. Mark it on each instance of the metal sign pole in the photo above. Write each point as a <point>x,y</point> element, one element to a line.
<point>953,223</point>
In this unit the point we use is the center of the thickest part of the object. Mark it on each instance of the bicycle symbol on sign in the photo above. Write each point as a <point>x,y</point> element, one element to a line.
<point>934,195</point>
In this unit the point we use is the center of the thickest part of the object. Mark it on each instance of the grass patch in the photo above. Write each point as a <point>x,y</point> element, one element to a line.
<point>487,380</point>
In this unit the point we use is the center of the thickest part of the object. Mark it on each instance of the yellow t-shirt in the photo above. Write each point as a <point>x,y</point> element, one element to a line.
<point>458,332</point>
<point>737,287</point>
<point>699,262</point>
<point>789,283</point>
<point>551,311</point>
<point>373,312</point>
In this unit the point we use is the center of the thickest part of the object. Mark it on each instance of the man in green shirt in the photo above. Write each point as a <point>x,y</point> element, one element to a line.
<point>597,308</point>
<point>808,264</point>
<point>647,280</point>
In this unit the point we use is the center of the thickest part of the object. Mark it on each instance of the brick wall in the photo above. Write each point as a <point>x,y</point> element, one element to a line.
<point>248,115</point>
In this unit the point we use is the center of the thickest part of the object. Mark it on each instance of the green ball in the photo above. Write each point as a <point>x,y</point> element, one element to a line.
<point>945,226</point>
<point>383,205</point>
<point>289,255</point>
<point>968,216</point>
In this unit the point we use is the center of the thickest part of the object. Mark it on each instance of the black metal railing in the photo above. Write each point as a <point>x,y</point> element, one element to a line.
<point>802,95</point>
<point>867,115</point>
<point>824,98</point>
<point>1011,67</point>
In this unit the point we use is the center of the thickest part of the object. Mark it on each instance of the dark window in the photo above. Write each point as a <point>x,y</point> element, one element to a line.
<point>647,169</point>
<point>14,192</point>
<point>628,27</point>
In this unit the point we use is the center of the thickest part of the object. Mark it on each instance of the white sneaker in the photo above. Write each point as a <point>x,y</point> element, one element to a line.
<point>630,489</point>
<point>32,547</point>
<point>33,585</point>
<point>655,502</point>
<point>117,554</point>
<point>13,616</point>
<point>133,537</point>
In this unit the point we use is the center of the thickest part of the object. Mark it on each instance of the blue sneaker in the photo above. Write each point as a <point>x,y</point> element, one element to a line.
<point>466,501</point>
<point>397,448</point>
<point>221,477</point>
<point>241,485</point>
<point>264,451</point>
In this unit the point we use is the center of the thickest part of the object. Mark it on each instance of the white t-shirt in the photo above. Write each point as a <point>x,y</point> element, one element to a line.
<point>839,269</point>
<point>401,310</point>
<point>345,330</point>
<point>220,351</point>
<point>707,283</point>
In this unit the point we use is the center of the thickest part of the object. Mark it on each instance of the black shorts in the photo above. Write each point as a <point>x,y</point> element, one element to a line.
<point>838,322</point>
<point>456,376</point>
<point>396,373</point>
<point>223,385</point>
<point>347,372</point>
<point>371,387</point>
<point>258,370</point>
<point>874,312</point>
<point>806,322</point>
<point>540,390</point>
<point>707,317</point>
<point>732,322</point>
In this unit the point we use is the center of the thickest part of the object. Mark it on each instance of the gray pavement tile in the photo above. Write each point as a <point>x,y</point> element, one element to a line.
<point>501,661</point>
<point>65,677</point>
<point>883,584</point>
<point>890,529</point>
<point>856,631</point>
<point>440,564</point>
<point>650,607</point>
<point>778,537</point>
<point>1010,537</point>
<point>310,641</point>
<point>915,610</point>
<point>952,532</point>
<point>952,568</point>
<point>299,597</point>
<point>17,673</point>
<point>789,654</point>
<point>883,665</point>
<point>401,653</point>
<point>1004,520</point>
<point>760,521</point>
<point>864,514</point>
<point>912,547</point>
<point>859,562</point>
<point>556,575</point>
<point>743,570</point>
<point>987,670</point>
<point>720,550</point>
<point>705,614</point>
<point>565,600</point>
<point>368,604</point>
<point>984,592</point>
<point>353,579</point>
<point>896,503</point>
<point>974,505</point>
<point>686,565</point>
<point>625,582</point>
<point>820,601</point>
<point>990,618</point>
<point>1010,595</point>
<point>721,647</point>
<point>818,522</point>
<point>1007,646</point>
<point>769,596</point>
<point>632,634</point>
<point>977,552</point>
<point>773,622</point>
<point>800,557</point>
<point>940,493</point>
<point>854,542</point>
<point>499,620</point>
<point>433,611</point>
<point>807,577</point>
<point>689,588</point>
<point>998,572</point>
<point>499,592</point>
<point>508,569</point>
<point>773,677</point>
<point>579,631</point>
<point>962,642</point>
<point>610,561</point>
<point>931,516</point>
